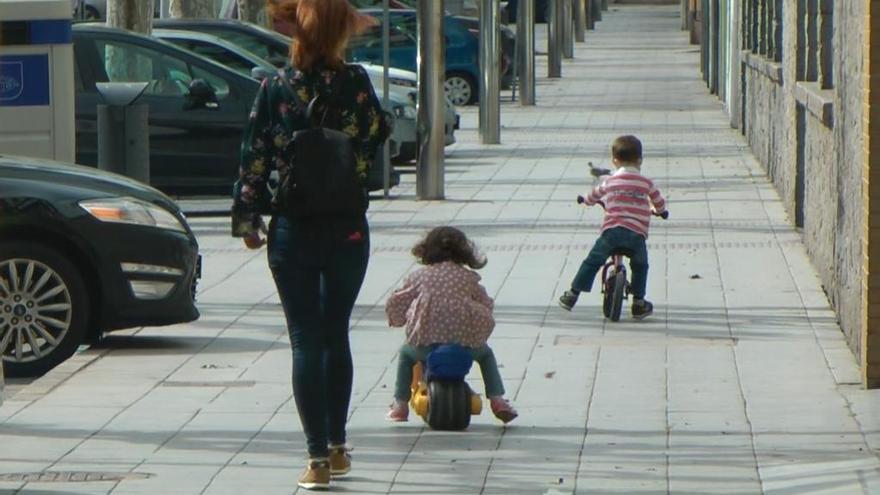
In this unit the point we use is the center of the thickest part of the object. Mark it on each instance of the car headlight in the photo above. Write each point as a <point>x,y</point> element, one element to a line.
<point>407,83</point>
<point>132,211</point>
<point>405,112</point>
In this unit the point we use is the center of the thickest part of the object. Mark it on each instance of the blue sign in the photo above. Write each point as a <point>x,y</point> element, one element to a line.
<point>24,80</point>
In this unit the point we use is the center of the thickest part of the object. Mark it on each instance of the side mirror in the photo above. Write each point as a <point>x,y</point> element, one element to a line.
<point>201,95</point>
<point>260,73</point>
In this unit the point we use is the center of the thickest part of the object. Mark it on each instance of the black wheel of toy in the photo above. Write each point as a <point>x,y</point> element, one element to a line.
<point>617,295</point>
<point>449,407</point>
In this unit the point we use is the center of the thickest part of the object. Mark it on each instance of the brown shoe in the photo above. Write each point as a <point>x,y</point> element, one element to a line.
<point>316,476</point>
<point>340,461</point>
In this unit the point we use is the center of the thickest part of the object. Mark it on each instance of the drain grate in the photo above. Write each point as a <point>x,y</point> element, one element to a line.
<point>71,477</point>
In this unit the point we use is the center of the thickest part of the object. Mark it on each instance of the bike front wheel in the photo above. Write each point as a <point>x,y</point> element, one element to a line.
<point>617,293</point>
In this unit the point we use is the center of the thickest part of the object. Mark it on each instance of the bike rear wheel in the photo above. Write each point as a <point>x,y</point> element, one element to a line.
<point>617,294</point>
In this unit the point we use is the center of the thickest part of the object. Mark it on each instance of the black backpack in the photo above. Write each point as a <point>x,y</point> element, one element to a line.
<point>323,180</point>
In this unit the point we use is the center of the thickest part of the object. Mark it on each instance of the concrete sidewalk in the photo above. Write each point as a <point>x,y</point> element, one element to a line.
<point>740,383</point>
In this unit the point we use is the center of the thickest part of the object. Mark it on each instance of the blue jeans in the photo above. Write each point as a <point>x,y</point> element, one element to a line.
<point>410,355</point>
<point>318,267</point>
<point>618,238</point>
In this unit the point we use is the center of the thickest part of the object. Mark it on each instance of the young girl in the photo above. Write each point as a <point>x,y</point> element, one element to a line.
<point>444,303</point>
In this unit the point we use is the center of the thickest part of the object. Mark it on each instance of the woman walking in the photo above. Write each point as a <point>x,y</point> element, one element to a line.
<point>318,239</point>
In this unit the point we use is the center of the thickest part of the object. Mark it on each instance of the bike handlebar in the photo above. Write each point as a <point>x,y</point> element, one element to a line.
<point>582,200</point>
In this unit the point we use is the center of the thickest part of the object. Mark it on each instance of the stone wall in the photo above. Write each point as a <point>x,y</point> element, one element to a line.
<point>832,149</point>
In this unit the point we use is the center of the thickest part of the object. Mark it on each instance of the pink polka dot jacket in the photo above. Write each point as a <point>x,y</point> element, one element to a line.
<point>441,304</point>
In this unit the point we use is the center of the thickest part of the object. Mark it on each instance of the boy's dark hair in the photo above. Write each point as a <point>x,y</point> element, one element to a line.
<point>448,244</point>
<point>627,149</point>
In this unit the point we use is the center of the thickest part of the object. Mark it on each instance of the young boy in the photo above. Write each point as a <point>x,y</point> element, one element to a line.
<point>628,197</point>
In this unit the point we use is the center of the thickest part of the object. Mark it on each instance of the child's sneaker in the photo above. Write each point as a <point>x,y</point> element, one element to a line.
<point>642,309</point>
<point>502,409</point>
<point>568,299</point>
<point>399,411</point>
<point>340,460</point>
<point>316,476</point>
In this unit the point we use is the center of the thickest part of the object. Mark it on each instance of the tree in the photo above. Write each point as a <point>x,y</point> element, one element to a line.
<point>123,64</point>
<point>249,10</point>
<point>131,15</point>
<point>193,9</point>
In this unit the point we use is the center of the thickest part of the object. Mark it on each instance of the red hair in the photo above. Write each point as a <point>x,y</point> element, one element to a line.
<point>321,29</point>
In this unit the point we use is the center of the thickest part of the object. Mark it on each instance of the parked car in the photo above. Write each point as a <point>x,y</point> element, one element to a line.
<point>89,10</point>
<point>195,138</point>
<point>273,47</point>
<point>462,51</point>
<point>542,10</point>
<point>198,108</point>
<point>235,57</point>
<point>83,252</point>
<point>508,48</point>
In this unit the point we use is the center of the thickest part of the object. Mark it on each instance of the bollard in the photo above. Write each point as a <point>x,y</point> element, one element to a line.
<point>554,50</point>
<point>431,62</point>
<point>597,10</point>
<point>124,131</point>
<point>490,90</point>
<point>580,21</point>
<point>525,35</point>
<point>567,29</point>
<point>386,90</point>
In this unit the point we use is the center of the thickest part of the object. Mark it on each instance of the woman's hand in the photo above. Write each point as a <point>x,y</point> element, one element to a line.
<point>254,241</point>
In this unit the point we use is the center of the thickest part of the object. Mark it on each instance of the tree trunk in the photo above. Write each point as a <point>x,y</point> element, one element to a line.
<point>249,10</point>
<point>120,63</point>
<point>131,15</point>
<point>193,9</point>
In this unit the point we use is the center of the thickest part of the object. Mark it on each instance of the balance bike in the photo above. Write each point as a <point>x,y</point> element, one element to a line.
<point>440,394</point>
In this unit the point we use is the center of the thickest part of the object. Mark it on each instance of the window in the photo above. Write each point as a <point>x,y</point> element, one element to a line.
<point>220,55</point>
<point>763,28</point>
<point>815,42</point>
<point>124,62</point>
<point>165,75</point>
<point>372,38</point>
<point>221,87</point>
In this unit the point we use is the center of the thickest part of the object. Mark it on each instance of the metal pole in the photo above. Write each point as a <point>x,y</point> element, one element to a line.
<point>554,53</point>
<point>431,62</point>
<point>386,61</point>
<point>597,9</point>
<point>164,8</point>
<point>591,16</point>
<point>580,16</point>
<point>490,90</point>
<point>567,29</point>
<point>604,4</point>
<point>525,36</point>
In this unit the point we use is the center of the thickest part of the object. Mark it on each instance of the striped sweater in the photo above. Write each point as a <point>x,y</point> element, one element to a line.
<point>628,197</point>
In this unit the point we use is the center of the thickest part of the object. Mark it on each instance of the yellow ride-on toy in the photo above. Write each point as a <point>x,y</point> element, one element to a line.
<point>440,395</point>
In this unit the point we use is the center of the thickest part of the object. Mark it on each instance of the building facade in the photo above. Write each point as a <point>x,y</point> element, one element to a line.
<point>796,77</point>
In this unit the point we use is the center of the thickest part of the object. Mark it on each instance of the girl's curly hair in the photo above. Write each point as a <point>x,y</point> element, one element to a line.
<point>448,244</point>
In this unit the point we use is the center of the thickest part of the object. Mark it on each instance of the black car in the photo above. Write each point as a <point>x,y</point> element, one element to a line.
<point>83,252</point>
<point>195,141</point>
<point>195,136</point>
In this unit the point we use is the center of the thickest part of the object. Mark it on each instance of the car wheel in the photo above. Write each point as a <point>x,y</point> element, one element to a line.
<point>460,89</point>
<point>44,308</point>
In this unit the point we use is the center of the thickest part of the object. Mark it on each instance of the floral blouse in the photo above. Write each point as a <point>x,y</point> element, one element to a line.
<point>442,303</point>
<point>276,115</point>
